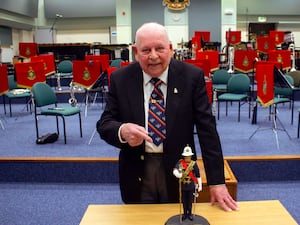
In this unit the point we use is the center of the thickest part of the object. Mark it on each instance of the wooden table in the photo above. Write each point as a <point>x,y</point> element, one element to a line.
<point>250,213</point>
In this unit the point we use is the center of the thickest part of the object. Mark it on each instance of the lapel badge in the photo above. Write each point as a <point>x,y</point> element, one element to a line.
<point>175,91</point>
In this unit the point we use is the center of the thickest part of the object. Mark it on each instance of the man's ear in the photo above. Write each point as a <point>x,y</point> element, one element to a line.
<point>134,50</point>
<point>171,49</point>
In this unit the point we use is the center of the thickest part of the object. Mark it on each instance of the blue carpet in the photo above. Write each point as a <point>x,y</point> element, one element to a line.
<point>44,199</point>
<point>65,204</point>
<point>50,204</point>
<point>20,135</point>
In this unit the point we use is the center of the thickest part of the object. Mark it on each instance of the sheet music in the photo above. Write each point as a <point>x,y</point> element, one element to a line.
<point>7,55</point>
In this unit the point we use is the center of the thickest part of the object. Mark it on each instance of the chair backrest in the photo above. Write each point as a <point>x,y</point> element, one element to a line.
<point>116,63</point>
<point>65,66</point>
<point>220,77</point>
<point>296,77</point>
<point>43,94</point>
<point>238,83</point>
<point>285,91</point>
<point>12,84</point>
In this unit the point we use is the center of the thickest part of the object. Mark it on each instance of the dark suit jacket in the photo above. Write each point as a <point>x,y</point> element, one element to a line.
<point>187,106</point>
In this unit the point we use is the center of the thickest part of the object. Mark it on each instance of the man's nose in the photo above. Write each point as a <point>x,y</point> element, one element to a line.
<point>153,54</point>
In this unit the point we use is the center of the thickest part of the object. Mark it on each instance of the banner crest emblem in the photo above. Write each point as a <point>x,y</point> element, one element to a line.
<point>30,74</point>
<point>86,74</point>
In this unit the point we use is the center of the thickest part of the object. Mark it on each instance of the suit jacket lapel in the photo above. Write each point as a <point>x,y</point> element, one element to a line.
<point>174,93</point>
<point>136,96</point>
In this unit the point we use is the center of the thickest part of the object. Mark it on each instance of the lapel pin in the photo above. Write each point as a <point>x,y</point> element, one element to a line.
<point>175,91</point>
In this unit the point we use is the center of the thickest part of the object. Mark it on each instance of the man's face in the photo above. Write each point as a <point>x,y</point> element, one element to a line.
<point>153,51</point>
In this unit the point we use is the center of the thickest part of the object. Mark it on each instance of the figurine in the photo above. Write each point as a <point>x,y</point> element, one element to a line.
<point>190,183</point>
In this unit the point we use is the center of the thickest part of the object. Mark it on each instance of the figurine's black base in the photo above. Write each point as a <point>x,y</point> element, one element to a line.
<point>198,220</point>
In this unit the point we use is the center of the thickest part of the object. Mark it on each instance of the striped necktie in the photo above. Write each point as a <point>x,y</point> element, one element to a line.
<point>156,117</point>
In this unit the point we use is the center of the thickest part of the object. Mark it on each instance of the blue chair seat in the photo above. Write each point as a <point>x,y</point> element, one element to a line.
<point>232,97</point>
<point>65,111</point>
<point>220,87</point>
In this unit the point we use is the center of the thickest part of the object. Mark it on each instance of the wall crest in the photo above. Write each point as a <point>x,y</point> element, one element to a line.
<point>176,4</point>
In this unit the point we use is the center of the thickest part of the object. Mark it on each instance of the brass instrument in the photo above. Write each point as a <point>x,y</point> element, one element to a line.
<point>72,101</point>
<point>231,59</point>
<point>59,88</point>
<point>292,47</point>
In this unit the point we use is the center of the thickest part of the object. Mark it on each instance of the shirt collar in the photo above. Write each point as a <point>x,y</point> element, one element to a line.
<point>163,77</point>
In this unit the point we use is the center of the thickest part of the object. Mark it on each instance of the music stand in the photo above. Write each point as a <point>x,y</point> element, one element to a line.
<point>278,80</point>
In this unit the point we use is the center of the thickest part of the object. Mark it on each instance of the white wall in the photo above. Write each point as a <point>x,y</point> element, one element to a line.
<point>82,36</point>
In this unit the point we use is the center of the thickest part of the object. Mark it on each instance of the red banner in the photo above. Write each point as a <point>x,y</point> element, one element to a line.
<point>3,79</point>
<point>233,37</point>
<point>212,56</point>
<point>109,71</point>
<point>281,56</point>
<point>196,43</point>
<point>103,59</point>
<point>86,73</point>
<point>28,73</point>
<point>48,62</point>
<point>265,83</point>
<point>204,64</point>
<point>27,49</point>
<point>244,60</point>
<point>277,35</point>
<point>265,44</point>
<point>200,37</point>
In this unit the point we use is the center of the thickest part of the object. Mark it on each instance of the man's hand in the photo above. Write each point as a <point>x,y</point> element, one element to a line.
<point>220,194</point>
<point>134,134</point>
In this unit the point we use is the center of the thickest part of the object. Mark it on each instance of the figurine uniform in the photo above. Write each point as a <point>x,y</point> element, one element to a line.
<point>187,171</point>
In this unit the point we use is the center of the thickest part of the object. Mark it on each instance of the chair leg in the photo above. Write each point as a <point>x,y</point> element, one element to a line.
<point>218,110</point>
<point>80,124</point>
<point>36,127</point>
<point>292,116</point>
<point>9,102</point>
<point>4,105</point>
<point>239,112</point>
<point>64,124</point>
<point>298,125</point>
<point>57,125</point>
<point>249,109</point>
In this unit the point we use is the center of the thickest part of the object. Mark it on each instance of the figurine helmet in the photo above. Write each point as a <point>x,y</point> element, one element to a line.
<point>187,151</point>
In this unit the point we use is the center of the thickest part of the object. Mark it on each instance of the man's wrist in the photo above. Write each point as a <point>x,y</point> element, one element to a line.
<point>216,185</point>
<point>120,136</point>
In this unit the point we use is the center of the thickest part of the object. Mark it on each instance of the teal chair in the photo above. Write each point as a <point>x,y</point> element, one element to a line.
<point>220,79</point>
<point>44,96</point>
<point>238,89</point>
<point>64,70</point>
<point>285,95</point>
<point>16,93</point>
<point>116,63</point>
